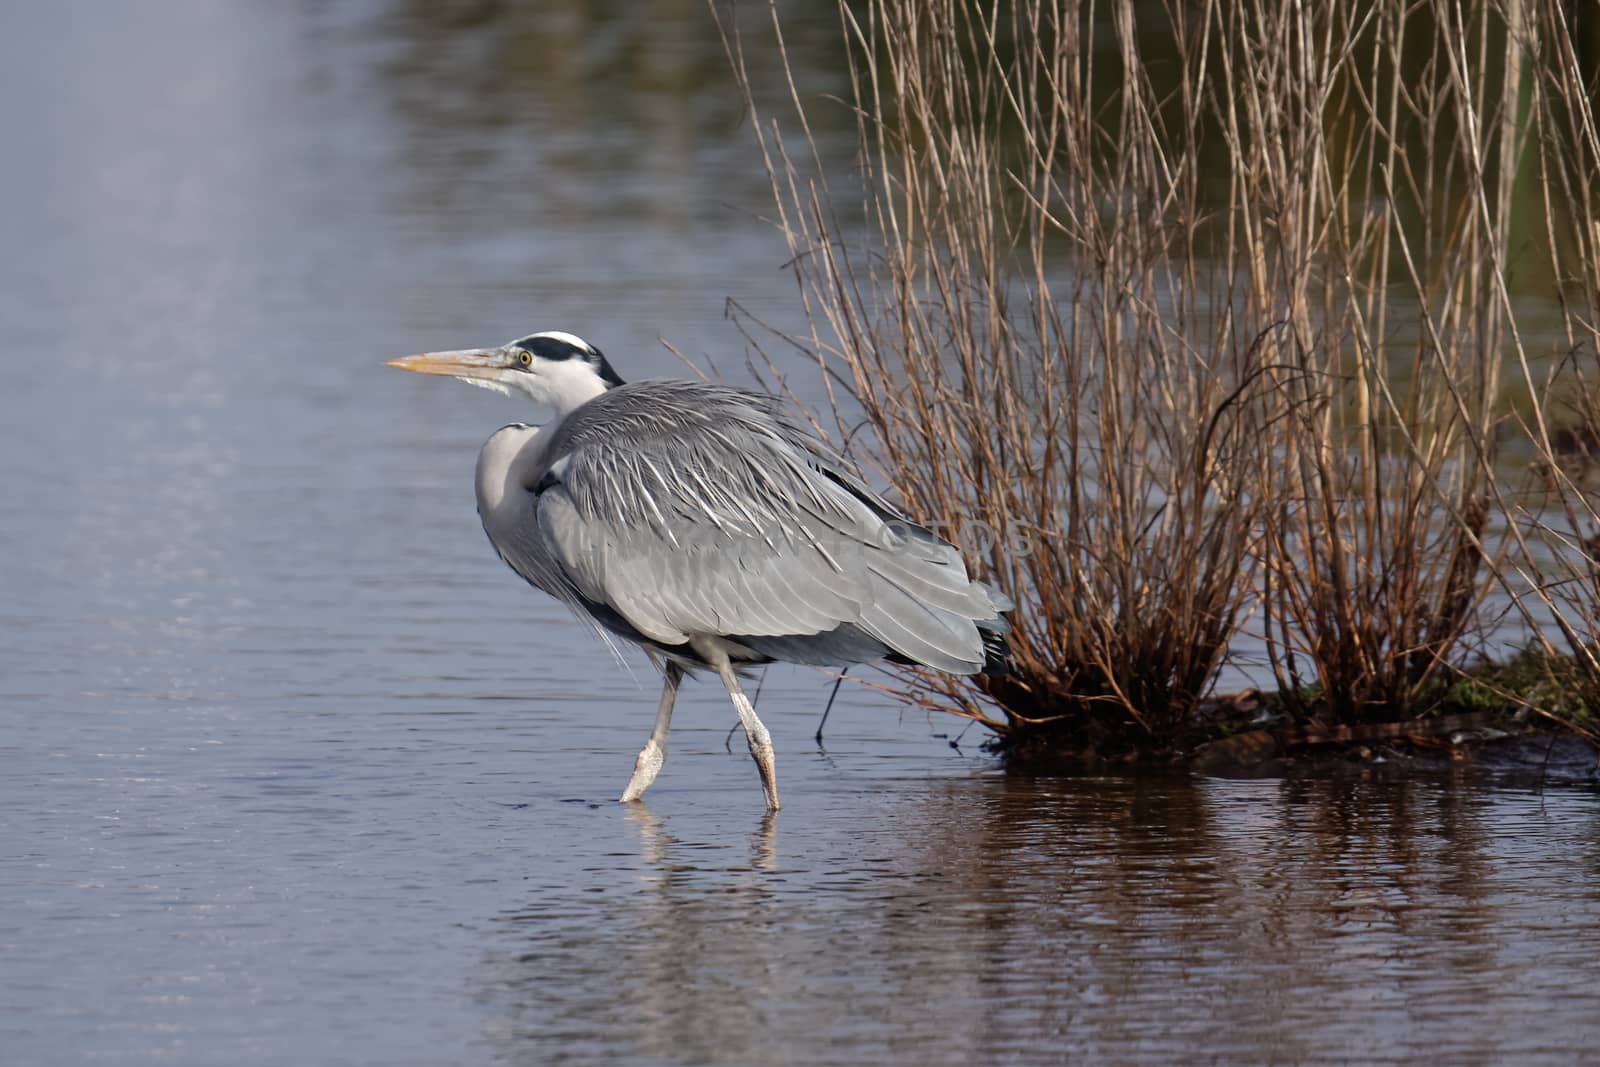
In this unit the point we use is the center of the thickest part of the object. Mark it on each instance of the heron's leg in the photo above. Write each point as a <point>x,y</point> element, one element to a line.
<point>754,731</point>
<point>654,753</point>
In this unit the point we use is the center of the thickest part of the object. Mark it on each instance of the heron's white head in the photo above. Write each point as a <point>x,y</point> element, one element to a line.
<point>559,370</point>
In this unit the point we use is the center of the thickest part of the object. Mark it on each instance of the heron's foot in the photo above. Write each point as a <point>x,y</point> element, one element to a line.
<point>761,749</point>
<point>645,768</point>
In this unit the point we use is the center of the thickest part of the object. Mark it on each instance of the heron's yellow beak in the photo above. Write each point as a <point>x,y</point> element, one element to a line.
<point>487,363</point>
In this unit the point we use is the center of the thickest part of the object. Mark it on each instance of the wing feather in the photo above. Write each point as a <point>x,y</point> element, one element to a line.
<point>695,510</point>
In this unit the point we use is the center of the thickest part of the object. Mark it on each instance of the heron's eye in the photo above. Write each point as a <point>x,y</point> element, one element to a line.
<point>525,358</point>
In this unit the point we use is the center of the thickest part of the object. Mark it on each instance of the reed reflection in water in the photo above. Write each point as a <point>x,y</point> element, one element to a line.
<point>999,919</point>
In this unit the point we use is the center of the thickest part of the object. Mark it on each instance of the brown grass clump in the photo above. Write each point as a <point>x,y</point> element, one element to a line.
<point>1553,526</point>
<point>1208,335</point>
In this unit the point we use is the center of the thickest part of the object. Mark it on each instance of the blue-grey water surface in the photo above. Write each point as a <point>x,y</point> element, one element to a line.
<point>293,770</point>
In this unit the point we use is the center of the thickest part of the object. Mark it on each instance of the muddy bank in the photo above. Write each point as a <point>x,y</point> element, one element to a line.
<point>1468,744</point>
<point>1497,744</point>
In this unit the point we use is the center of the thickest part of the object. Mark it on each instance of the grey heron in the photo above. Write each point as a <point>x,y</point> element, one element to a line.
<point>705,524</point>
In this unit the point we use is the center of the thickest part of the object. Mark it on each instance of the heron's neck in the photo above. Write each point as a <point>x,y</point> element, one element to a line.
<point>505,462</point>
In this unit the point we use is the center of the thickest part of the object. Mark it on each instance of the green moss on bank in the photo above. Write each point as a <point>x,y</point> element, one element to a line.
<point>1492,706</point>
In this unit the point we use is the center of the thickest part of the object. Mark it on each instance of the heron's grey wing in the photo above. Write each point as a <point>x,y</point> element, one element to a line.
<point>834,467</point>
<point>691,512</point>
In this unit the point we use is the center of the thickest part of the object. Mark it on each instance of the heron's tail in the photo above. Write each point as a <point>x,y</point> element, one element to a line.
<point>996,649</point>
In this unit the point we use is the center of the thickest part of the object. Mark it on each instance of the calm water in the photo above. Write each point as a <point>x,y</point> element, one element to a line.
<point>293,770</point>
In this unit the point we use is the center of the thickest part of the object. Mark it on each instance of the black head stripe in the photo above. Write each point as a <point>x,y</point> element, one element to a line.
<point>552,348</point>
<point>555,349</point>
<point>602,368</point>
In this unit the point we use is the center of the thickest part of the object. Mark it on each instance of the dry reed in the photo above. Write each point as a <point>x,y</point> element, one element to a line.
<point>1212,343</point>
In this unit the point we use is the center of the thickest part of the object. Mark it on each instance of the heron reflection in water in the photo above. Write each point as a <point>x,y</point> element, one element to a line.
<point>706,525</point>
